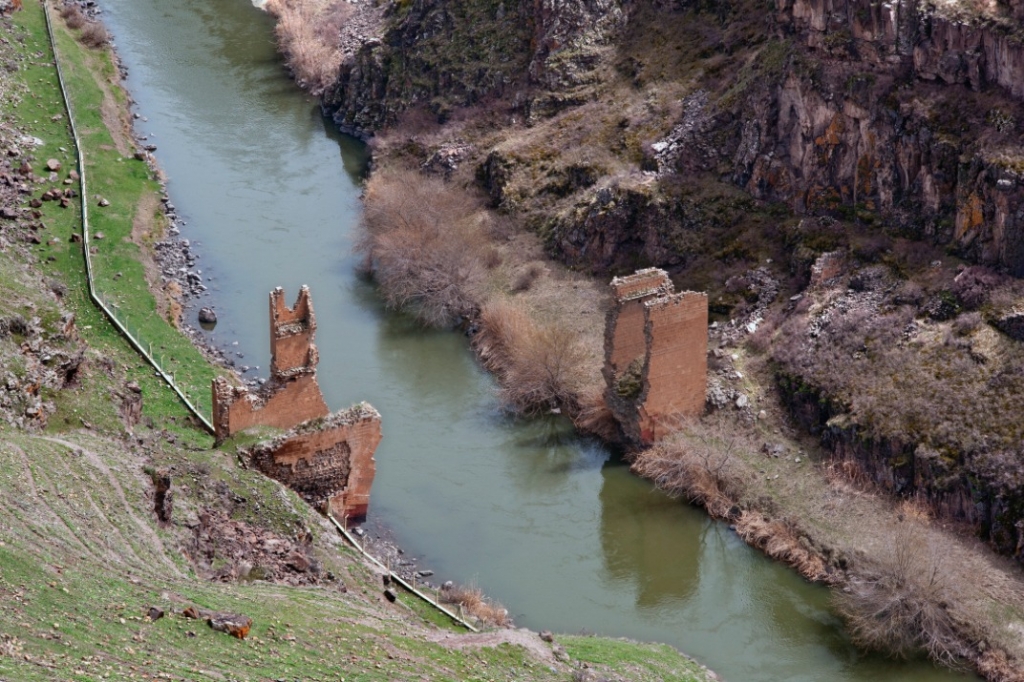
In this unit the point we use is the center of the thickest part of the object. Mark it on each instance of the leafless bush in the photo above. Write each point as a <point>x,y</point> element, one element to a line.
<point>699,464</point>
<point>595,417</point>
<point>423,245</point>
<point>94,35</point>
<point>473,602</point>
<point>492,258</point>
<point>539,366</point>
<point>72,16</point>
<point>973,286</point>
<point>761,340</point>
<point>307,34</point>
<point>967,323</point>
<point>527,276</point>
<point>899,604</point>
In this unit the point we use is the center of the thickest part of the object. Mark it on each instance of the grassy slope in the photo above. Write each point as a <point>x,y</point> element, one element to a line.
<point>82,557</point>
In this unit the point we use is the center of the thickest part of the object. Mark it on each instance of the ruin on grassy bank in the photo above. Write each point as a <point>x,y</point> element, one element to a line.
<point>326,458</point>
<point>655,354</point>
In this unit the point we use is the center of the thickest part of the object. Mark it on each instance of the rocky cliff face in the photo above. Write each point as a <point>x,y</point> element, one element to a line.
<point>698,135</point>
<point>441,55</point>
<point>913,115</point>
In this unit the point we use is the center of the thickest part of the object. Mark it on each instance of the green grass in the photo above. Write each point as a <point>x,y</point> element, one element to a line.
<point>633,659</point>
<point>124,181</point>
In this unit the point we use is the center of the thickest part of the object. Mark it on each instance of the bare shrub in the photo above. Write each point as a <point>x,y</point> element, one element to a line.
<point>72,16</point>
<point>761,340</point>
<point>595,417</point>
<point>473,602</point>
<point>492,258</point>
<point>898,605</point>
<point>527,276</point>
<point>94,35</point>
<point>698,463</point>
<point>967,324</point>
<point>539,366</point>
<point>308,35</point>
<point>974,285</point>
<point>781,541</point>
<point>423,246</point>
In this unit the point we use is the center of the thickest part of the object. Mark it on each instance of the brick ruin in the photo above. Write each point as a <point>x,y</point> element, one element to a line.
<point>326,458</point>
<point>328,462</point>
<point>291,395</point>
<point>655,354</point>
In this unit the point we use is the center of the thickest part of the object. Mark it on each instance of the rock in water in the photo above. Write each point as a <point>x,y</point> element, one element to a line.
<point>207,316</point>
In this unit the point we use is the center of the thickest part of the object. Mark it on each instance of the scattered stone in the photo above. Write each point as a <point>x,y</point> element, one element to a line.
<point>207,316</point>
<point>391,595</point>
<point>425,573</point>
<point>547,636</point>
<point>155,613</point>
<point>742,401</point>
<point>99,235</point>
<point>762,415</point>
<point>233,624</point>
<point>103,203</point>
<point>53,165</point>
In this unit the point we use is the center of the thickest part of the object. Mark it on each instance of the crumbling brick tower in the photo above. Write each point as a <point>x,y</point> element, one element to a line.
<point>655,354</point>
<point>327,459</point>
<point>292,394</point>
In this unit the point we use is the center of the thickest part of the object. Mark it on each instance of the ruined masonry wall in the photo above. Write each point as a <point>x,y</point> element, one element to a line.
<point>327,459</point>
<point>291,334</point>
<point>669,332</point>
<point>293,402</point>
<point>292,394</point>
<point>626,322</point>
<point>676,367</point>
<point>329,464</point>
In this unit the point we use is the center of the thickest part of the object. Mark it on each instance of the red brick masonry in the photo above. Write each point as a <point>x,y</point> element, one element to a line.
<point>665,336</point>
<point>327,459</point>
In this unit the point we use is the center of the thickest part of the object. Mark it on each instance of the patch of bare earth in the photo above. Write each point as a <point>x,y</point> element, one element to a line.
<point>146,229</point>
<point>522,637</point>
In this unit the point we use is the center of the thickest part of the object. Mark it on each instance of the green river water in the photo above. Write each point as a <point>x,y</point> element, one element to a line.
<point>552,525</point>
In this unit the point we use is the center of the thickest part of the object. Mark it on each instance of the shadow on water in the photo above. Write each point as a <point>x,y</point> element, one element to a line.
<point>553,525</point>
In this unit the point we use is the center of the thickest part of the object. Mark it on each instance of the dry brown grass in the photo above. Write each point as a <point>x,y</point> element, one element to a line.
<point>474,603</point>
<point>898,604</point>
<point>424,246</point>
<point>782,542</point>
<point>539,366</point>
<point>308,35</point>
<point>698,463</point>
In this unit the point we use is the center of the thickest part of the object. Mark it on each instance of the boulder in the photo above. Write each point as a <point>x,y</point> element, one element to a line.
<point>207,316</point>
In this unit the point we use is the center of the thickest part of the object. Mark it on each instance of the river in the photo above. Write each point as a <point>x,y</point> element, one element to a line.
<point>552,525</point>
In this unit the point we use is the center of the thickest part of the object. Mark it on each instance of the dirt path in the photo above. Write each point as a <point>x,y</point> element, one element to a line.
<point>146,531</point>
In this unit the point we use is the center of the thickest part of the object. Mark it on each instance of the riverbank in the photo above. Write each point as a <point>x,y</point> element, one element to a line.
<point>100,562</point>
<point>792,500</point>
